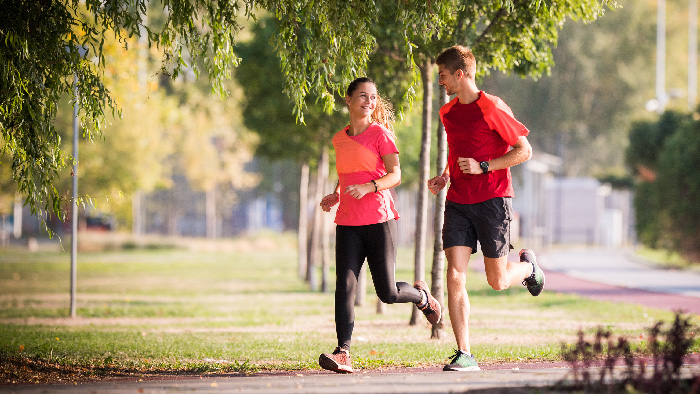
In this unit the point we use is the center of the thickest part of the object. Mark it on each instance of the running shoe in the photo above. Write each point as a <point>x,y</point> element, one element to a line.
<point>338,361</point>
<point>534,282</point>
<point>432,309</point>
<point>462,361</point>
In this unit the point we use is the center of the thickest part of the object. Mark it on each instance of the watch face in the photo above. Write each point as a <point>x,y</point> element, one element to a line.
<point>484,166</point>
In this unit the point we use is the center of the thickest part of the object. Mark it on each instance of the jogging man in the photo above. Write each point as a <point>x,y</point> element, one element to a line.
<point>484,141</point>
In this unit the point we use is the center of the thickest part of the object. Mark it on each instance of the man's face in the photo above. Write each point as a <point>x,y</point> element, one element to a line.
<point>448,79</point>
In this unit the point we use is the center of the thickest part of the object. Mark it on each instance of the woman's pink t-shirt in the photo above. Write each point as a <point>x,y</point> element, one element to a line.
<point>358,161</point>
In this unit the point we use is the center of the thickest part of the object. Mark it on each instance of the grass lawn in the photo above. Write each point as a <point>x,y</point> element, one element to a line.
<point>244,309</point>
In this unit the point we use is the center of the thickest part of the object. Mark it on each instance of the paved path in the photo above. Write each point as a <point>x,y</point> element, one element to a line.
<point>511,380</point>
<point>421,381</point>
<point>606,274</point>
<point>616,275</point>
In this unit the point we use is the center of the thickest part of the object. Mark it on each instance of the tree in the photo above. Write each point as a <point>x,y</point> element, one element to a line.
<point>679,186</point>
<point>7,197</point>
<point>512,36</point>
<point>583,109</point>
<point>322,46</point>
<point>438,270</point>
<point>268,112</point>
<point>662,154</point>
<point>40,44</point>
<point>132,156</point>
<point>212,145</point>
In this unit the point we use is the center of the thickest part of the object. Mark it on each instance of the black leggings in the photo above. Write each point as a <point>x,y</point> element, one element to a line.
<point>377,243</point>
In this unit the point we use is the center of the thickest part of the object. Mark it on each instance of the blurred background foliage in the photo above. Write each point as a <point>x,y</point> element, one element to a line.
<point>589,109</point>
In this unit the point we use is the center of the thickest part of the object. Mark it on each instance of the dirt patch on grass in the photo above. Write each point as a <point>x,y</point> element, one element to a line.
<point>20,370</point>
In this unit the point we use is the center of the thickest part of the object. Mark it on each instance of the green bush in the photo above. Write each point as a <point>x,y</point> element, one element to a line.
<point>679,188</point>
<point>666,155</point>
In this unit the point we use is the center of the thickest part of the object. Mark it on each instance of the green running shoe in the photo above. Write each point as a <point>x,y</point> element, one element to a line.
<point>534,282</point>
<point>462,361</point>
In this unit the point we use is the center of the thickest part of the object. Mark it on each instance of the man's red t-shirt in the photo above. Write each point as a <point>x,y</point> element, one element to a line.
<point>483,130</point>
<point>358,160</point>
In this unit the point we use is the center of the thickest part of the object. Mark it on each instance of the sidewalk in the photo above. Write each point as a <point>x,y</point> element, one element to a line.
<point>507,380</point>
<point>420,381</point>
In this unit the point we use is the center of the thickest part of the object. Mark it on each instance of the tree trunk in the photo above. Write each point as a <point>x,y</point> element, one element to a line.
<point>137,213</point>
<point>317,231</point>
<point>326,254</point>
<point>325,226</point>
<point>313,184</point>
<point>4,234</point>
<point>438,271</point>
<point>210,212</point>
<point>422,215</point>
<point>17,223</point>
<point>302,231</point>
<point>381,307</point>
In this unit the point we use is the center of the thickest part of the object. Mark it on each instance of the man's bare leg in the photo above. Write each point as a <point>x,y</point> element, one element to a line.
<point>502,274</point>
<point>457,297</point>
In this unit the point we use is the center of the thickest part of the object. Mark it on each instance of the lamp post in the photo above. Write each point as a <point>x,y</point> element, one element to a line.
<point>661,97</point>
<point>74,210</point>
<point>692,53</point>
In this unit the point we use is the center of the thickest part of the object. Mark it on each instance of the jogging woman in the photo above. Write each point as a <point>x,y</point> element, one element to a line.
<point>367,162</point>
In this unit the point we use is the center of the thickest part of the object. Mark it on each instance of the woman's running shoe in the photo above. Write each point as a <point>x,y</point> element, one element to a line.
<point>338,361</point>
<point>432,309</point>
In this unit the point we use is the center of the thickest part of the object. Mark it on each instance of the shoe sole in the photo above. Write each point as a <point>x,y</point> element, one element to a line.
<point>461,369</point>
<point>329,364</point>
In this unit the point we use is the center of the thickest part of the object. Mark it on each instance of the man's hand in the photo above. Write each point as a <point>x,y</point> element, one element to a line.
<point>469,166</point>
<point>436,184</point>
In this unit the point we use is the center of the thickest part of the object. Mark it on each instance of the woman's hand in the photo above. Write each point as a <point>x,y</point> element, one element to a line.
<point>436,184</point>
<point>328,201</point>
<point>359,191</point>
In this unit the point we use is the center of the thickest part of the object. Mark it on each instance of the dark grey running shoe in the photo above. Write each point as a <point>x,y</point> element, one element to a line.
<point>534,282</point>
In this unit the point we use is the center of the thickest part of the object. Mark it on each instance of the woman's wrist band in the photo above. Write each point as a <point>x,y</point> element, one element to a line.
<point>376,189</point>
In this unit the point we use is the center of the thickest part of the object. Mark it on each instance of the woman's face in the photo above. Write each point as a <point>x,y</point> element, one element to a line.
<point>363,100</point>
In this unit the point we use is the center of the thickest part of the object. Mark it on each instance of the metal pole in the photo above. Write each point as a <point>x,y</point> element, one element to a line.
<point>661,55</point>
<point>692,54</point>
<point>74,209</point>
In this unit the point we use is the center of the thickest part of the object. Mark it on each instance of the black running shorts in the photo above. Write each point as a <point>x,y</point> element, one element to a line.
<point>487,222</point>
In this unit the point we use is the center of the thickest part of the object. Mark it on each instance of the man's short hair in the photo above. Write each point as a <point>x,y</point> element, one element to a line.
<point>458,57</point>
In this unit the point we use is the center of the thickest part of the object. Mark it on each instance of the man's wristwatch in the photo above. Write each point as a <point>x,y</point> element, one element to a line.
<point>484,166</point>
